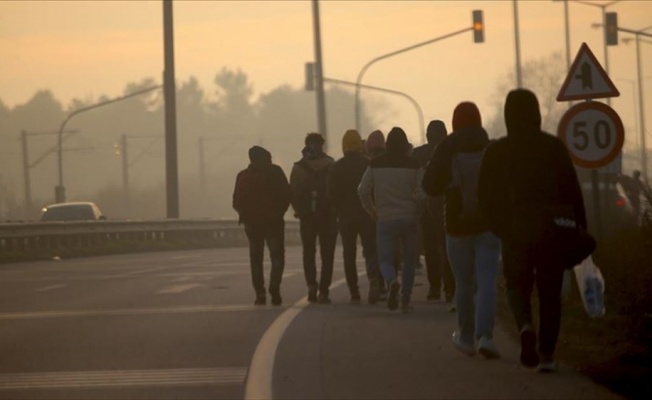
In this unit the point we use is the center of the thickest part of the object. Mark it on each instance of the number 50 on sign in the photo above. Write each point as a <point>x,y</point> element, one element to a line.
<point>593,134</point>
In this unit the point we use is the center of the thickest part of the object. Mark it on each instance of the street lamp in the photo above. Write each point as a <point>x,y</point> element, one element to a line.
<point>478,32</point>
<point>410,98</point>
<point>59,191</point>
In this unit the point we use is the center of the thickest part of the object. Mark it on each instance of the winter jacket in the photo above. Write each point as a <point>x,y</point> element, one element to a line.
<point>268,195</point>
<point>345,176</point>
<point>528,169</point>
<point>390,187</point>
<point>438,177</point>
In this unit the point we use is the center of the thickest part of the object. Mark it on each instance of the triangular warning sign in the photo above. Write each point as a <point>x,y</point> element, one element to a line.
<point>586,79</point>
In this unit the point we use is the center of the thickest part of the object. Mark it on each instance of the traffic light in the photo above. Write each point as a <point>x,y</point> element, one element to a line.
<point>478,27</point>
<point>611,28</point>
<point>310,76</point>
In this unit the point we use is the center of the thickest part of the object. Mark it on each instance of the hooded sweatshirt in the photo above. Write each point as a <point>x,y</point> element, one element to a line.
<point>528,168</point>
<point>375,144</point>
<point>468,136</point>
<point>435,133</point>
<point>313,154</point>
<point>345,177</point>
<point>391,185</point>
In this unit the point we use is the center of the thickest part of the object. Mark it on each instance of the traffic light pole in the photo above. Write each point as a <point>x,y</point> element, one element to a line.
<point>388,55</point>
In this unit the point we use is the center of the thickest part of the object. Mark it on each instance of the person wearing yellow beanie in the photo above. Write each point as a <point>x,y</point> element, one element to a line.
<point>352,220</point>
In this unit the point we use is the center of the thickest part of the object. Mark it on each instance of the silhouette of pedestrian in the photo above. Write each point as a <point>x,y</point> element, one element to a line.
<point>317,219</point>
<point>473,250</point>
<point>390,192</point>
<point>522,176</point>
<point>433,233</point>
<point>353,221</point>
<point>261,197</point>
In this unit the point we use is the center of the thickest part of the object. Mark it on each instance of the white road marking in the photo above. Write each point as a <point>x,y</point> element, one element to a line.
<point>129,311</point>
<point>259,379</point>
<point>85,379</point>
<point>179,288</point>
<point>51,287</point>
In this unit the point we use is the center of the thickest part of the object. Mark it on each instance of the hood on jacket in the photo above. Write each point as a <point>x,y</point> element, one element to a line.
<point>351,141</point>
<point>436,131</point>
<point>466,114</point>
<point>522,115</point>
<point>375,142</point>
<point>258,155</point>
<point>397,142</point>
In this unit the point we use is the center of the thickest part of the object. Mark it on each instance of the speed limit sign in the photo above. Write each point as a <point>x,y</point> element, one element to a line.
<point>593,134</point>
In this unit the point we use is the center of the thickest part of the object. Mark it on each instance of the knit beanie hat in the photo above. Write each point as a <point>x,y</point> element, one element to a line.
<point>351,141</point>
<point>466,114</point>
<point>436,131</point>
<point>397,141</point>
<point>375,141</point>
<point>258,155</point>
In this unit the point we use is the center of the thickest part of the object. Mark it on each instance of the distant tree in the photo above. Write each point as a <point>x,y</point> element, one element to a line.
<point>544,76</point>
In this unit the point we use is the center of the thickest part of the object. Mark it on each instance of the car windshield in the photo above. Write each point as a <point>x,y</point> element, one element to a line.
<point>76,212</point>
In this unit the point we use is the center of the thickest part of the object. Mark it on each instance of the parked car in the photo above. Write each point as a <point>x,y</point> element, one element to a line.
<point>72,211</point>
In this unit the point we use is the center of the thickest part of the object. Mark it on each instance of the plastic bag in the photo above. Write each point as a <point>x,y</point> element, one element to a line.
<point>591,285</point>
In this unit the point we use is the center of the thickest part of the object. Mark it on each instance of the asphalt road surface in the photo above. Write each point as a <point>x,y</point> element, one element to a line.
<point>182,325</point>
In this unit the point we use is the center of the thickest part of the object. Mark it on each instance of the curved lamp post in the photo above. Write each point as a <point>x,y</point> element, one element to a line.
<point>59,191</point>
<point>410,98</point>
<point>388,55</point>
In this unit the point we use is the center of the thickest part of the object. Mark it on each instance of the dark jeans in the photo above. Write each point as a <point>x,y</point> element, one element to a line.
<point>439,271</point>
<point>324,228</point>
<point>525,267</point>
<point>274,235</point>
<point>350,228</point>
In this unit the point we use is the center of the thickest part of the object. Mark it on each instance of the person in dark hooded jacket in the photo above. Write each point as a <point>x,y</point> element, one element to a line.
<point>261,197</point>
<point>525,172</point>
<point>473,250</point>
<point>433,234</point>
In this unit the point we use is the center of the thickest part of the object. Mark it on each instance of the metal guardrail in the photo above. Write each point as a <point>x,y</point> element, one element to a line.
<point>38,240</point>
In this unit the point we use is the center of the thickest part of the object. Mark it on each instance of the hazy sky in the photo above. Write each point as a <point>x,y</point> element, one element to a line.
<point>84,49</point>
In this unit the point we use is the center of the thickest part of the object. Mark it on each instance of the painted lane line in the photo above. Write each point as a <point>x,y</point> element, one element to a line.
<point>130,311</point>
<point>259,379</point>
<point>51,287</point>
<point>82,379</point>
<point>176,289</point>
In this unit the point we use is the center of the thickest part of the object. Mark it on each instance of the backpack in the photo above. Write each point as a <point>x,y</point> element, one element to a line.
<point>312,199</point>
<point>464,184</point>
<point>254,197</point>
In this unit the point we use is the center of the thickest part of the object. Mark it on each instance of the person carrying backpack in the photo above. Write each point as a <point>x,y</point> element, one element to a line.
<point>261,197</point>
<point>317,218</point>
<point>473,250</point>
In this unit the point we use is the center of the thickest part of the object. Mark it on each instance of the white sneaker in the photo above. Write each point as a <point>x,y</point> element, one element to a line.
<point>469,350</point>
<point>487,348</point>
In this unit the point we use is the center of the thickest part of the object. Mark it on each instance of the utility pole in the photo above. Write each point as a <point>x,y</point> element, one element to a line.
<point>28,184</point>
<point>169,90</point>
<point>125,172</point>
<point>319,72</point>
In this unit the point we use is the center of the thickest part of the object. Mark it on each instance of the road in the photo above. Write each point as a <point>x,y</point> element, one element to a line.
<point>182,325</point>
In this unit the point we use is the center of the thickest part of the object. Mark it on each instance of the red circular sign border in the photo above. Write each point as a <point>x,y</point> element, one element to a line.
<point>611,113</point>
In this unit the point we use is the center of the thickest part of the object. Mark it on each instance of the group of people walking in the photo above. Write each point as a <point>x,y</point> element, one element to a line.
<point>460,197</point>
